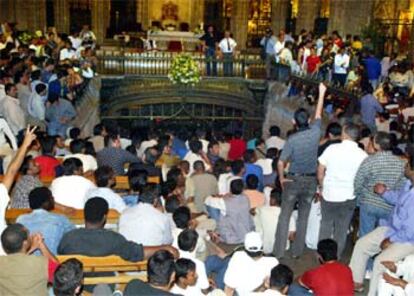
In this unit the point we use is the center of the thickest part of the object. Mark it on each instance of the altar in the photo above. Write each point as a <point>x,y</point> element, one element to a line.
<point>171,40</point>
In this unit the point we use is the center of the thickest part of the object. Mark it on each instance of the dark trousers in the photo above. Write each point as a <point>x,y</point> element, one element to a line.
<point>228,64</point>
<point>301,190</point>
<point>339,79</point>
<point>211,61</point>
<point>336,217</point>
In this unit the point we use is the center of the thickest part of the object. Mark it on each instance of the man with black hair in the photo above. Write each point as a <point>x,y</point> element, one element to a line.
<point>105,180</point>
<point>213,153</point>
<point>330,278</point>
<point>275,141</point>
<point>281,277</point>
<point>187,242</point>
<point>36,104</point>
<point>114,156</point>
<point>21,273</point>
<point>256,198</point>
<point>68,278</point>
<point>185,278</point>
<point>332,136</point>
<point>237,146</point>
<point>337,168</point>
<point>146,223</point>
<point>369,108</point>
<point>77,148</point>
<point>161,274</point>
<point>196,153</point>
<point>94,240</point>
<point>71,189</point>
<point>48,164</point>
<point>59,113</point>
<point>148,163</point>
<point>251,168</point>
<point>300,151</point>
<point>237,172</point>
<point>98,139</point>
<point>52,226</point>
<point>137,180</point>
<point>12,110</point>
<point>248,269</point>
<point>381,167</point>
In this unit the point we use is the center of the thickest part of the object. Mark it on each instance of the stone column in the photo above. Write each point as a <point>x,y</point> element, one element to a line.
<point>279,14</point>
<point>308,12</point>
<point>239,21</point>
<point>100,10</point>
<point>62,17</point>
<point>197,13</point>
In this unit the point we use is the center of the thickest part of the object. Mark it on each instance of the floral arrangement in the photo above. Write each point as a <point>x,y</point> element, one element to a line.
<point>184,70</point>
<point>25,37</point>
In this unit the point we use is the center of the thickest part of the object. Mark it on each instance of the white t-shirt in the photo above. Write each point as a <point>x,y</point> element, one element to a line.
<point>192,158</point>
<point>71,191</point>
<point>113,199</point>
<point>268,292</point>
<point>145,145</point>
<point>275,142</point>
<point>200,246</point>
<point>341,64</point>
<point>202,280</point>
<point>266,165</point>
<point>190,291</point>
<point>4,202</point>
<point>342,162</point>
<point>245,274</point>
<point>88,161</point>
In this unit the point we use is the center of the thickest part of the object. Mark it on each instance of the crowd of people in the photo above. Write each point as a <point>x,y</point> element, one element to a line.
<point>225,210</point>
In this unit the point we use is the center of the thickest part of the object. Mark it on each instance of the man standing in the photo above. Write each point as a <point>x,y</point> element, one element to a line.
<point>268,43</point>
<point>209,47</point>
<point>341,64</point>
<point>382,167</point>
<point>393,240</point>
<point>300,151</point>
<point>369,108</point>
<point>338,166</point>
<point>227,47</point>
<point>12,110</point>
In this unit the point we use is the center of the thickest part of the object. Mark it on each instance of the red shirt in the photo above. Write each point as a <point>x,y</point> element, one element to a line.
<point>51,268</point>
<point>329,279</point>
<point>237,149</point>
<point>312,62</point>
<point>47,165</point>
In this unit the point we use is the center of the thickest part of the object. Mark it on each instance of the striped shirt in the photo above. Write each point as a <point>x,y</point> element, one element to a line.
<point>382,167</point>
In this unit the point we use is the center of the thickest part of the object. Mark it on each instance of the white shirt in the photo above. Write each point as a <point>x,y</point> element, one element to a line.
<point>192,158</point>
<point>268,292</point>
<point>145,225</point>
<point>6,131</point>
<point>225,43</point>
<point>266,165</point>
<point>145,145</point>
<point>88,161</point>
<point>286,56</point>
<point>76,41</point>
<point>200,246</point>
<point>342,162</point>
<point>408,112</point>
<point>278,49</point>
<point>190,291</point>
<point>275,142</point>
<point>71,191</point>
<point>114,200</point>
<point>266,220</point>
<point>14,114</point>
<point>245,274</point>
<point>67,54</point>
<point>36,106</point>
<point>202,280</point>
<point>4,202</point>
<point>341,63</point>
<point>224,182</point>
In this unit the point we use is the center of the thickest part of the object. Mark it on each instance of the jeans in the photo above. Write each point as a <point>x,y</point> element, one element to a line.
<point>369,217</point>
<point>339,79</point>
<point>298,290</point>
<point>218,266</point>
<point>301,190</point>
<point>228,64</point>
<point>55,129</point>
<point>211,59</point>
<point>336,217</point>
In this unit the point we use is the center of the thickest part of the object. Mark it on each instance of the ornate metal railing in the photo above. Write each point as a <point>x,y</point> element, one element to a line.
<point>158,63</point>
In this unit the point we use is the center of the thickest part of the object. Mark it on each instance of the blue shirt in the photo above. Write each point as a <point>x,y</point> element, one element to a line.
<point>401,220</point>
<point>373,67</point>
<point>369,109</point>
<point>270,44</point>
<point>51,226</point>
<point>254,169</point>
<point>251,144</point>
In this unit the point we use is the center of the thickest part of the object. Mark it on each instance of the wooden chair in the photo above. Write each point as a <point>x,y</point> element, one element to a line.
<point>109,264</point>
<point>76,218</point>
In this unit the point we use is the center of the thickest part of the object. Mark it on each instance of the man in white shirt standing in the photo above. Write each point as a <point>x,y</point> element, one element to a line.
<point>341,65</point>
<point>337,168</point>
<point>12,111</point>
<point>5,131</point>
<point>145,223</point>
<point>227,47</point>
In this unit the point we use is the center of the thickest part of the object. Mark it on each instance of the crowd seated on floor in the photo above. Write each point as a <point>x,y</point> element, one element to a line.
<point>228,209</point>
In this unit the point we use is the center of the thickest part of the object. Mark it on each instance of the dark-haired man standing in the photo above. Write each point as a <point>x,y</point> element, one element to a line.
<point>300,151</point>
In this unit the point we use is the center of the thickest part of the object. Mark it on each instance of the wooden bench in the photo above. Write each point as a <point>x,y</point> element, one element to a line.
<point>109,264</point>
<point>77,218</point>
<point>122,182</point>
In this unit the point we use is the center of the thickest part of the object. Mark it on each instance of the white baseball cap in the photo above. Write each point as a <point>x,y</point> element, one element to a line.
<point>253,242</point>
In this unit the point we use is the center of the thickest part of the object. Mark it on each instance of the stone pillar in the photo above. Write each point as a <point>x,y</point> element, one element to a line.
<point>100,10</point>
<point>62,15</point>
<point>279,14</point>
<point>196,13</point>
<point>239,19</point>
<point>308,12</point>
<point>143,14</point>
<point>37,20</point>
